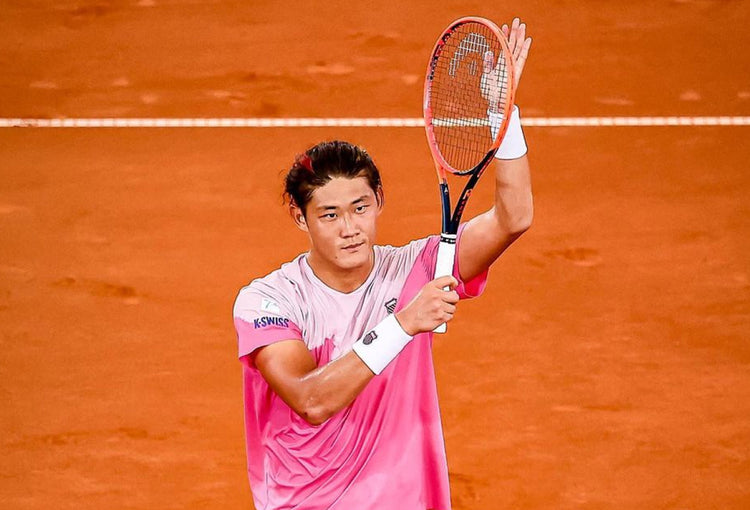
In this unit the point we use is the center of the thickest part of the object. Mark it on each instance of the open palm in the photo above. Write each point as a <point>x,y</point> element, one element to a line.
<point>494,78</point>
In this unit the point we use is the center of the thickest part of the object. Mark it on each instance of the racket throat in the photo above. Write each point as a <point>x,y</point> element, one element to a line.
<point>445,201</point>
<point>466,193</point>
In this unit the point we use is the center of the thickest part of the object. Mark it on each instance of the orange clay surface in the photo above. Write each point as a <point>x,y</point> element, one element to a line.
<point>607,366</point>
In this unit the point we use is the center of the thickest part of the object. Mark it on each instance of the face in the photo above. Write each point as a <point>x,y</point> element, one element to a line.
<point>341,222</point>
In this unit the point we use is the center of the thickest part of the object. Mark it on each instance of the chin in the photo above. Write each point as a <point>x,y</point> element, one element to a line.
<point>354,260</point>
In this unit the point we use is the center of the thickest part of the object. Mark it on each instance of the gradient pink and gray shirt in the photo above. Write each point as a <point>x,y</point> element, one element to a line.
<point>386,449</point>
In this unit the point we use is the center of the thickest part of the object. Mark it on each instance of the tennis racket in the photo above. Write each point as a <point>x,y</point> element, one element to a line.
<point>468,96</point>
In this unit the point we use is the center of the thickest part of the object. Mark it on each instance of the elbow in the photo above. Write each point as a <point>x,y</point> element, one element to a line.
<point>513,220</point>
<point>314,413</point>
<point>521,226</point>
<point>312,403</point>
<point>521,223</point>
<point>315,417</point>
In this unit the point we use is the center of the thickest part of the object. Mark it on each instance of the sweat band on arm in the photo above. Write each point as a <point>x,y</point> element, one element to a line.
<point>381,344</point>
<point>514,144</point>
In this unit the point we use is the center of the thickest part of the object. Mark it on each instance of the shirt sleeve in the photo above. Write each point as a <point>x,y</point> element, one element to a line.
<point>465,289</point>
<point>261,320</point>
<point>476,285</point>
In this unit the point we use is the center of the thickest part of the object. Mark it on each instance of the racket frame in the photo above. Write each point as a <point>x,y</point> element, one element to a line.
<point>450,222</point>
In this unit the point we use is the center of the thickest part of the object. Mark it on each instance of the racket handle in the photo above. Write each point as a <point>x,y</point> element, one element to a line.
<point>444,265</point>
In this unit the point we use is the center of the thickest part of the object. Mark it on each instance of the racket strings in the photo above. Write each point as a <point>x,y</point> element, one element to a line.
<point>470,76</point>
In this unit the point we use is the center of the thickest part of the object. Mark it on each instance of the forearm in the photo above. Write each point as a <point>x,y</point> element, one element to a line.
<point>327,390</point>
<point>513,208</point>
<point>317,393</point>
<point>489,234</point>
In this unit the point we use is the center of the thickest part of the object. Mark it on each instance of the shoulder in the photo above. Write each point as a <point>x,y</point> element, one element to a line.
<point>267,310</point>
<point>404,258</point>
<point>277,292</point>
<point>406,254</point>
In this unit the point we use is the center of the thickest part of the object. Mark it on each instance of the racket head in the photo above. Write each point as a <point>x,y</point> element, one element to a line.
<point>462,79</point>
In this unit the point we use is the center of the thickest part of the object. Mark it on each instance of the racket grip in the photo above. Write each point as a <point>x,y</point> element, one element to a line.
<point>444,265</point>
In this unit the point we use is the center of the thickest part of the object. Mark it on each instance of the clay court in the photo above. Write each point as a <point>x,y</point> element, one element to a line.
<point>607,366</point>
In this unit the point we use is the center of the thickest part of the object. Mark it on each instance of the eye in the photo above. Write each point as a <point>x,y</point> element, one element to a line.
<point>329,216</point>
<point>361,208</point>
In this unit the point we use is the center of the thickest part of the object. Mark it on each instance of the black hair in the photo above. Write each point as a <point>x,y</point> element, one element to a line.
<point>324,161</point>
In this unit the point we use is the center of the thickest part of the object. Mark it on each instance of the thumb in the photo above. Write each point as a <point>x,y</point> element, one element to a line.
<point>489,57</point>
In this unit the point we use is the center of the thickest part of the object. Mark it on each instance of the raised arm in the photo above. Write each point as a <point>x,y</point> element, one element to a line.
<point>489,234</point>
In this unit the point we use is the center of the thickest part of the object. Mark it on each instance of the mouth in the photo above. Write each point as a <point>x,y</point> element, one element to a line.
<point>353,247</point>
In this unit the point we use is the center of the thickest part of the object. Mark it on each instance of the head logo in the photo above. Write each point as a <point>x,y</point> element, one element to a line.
<point>369,337</point>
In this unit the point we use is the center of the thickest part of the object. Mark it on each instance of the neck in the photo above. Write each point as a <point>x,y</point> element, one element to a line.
<point>341,280</point>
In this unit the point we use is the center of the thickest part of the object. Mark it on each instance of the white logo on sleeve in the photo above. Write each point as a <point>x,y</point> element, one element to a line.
<point>269,306</point>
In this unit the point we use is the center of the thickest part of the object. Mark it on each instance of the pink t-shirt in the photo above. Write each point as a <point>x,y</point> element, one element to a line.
<point>386,449</point>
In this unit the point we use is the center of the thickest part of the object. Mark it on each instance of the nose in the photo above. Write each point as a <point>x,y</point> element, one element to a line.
<point>348,227</point>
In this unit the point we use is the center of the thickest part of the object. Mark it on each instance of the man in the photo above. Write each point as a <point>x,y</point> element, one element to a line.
<point>340,397</point>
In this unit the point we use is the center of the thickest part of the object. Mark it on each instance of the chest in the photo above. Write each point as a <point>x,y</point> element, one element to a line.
<point>338,320</point>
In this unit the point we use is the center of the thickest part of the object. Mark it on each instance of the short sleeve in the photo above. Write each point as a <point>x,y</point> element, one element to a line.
<point>261,320</point>
<point>476,285</point>
<point>426,263</point>
<point>428,258</point>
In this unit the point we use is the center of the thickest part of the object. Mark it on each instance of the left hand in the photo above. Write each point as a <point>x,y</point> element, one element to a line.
<point>519,46</point>
<point>492,79</point>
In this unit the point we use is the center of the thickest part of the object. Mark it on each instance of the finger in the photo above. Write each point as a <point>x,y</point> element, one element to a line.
<point>451,297</point>
<point>505,30</point>
<point>525,48</point>
<point>451,309</point>
<point>524,52</point>
<point>500,62</point>
<point>445,314</point>
<point>520,39</point>
<point>521,61</point>
<point>488,58</point>
<point>513,41</point>
<point>445,281</point>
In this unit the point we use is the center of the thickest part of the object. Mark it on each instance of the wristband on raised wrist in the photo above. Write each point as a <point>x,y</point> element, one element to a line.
<point>514,144</point>
<point>380,345</point>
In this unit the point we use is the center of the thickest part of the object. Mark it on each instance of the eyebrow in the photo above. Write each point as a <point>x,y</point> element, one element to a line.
<point>334,207</point>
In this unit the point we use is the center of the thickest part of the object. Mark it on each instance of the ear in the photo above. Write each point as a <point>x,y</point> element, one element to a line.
<point>380,199</point>
<point>298,217</point>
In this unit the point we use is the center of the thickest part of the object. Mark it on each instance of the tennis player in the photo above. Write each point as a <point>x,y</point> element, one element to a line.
<point>341,409</point>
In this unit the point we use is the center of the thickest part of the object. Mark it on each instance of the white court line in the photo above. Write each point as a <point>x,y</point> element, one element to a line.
<point>359,122</point>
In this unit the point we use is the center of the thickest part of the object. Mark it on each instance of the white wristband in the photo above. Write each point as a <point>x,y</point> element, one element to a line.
<point>514,144</point>
<point>381,344</point>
